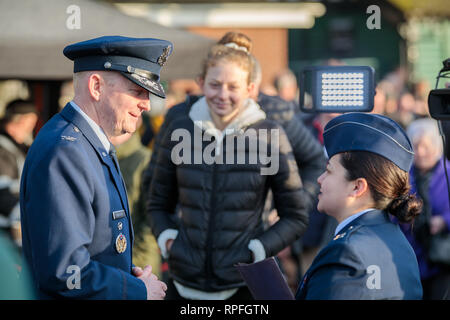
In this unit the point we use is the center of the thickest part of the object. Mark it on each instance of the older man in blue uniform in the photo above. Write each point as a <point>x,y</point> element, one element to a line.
<point>77,231</point>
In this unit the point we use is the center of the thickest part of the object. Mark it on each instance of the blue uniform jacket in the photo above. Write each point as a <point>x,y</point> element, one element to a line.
<point>74,208</point>
<point>369,259</point>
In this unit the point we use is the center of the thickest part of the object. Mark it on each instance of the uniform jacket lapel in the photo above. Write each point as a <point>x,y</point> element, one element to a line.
<point>71,115</point>
<point>369,218</point>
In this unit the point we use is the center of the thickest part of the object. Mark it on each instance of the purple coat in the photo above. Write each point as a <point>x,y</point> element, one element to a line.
<point>438,196</point>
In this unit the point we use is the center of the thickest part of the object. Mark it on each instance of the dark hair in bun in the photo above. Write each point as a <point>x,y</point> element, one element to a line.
<point>389,185</point>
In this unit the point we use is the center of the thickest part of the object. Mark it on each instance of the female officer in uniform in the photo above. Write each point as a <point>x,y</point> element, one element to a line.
<point>365,182</point>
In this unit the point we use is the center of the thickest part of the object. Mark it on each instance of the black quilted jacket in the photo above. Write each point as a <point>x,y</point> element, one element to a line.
<point>221,207</point>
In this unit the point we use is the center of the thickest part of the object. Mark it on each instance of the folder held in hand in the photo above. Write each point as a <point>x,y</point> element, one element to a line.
<point>265,280</point>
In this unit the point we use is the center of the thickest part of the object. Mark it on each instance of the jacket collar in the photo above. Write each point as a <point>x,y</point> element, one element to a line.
<point>369,218</point>
<point>250,114</point>
<point>71,115</point>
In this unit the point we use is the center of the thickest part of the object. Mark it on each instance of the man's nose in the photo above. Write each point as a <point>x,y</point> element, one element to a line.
<point>144,105</point>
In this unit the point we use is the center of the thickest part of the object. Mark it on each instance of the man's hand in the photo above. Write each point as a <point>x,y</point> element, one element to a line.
<point>156,289</point>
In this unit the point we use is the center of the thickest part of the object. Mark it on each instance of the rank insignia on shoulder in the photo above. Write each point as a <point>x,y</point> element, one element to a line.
<point>68,138</point>
<point>340,235</point>
<point>121,243</point>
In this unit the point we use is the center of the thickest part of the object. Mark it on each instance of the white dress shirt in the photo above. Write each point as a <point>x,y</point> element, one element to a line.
<point>98,131</point>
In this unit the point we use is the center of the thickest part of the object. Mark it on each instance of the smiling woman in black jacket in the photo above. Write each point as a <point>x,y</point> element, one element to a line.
<point>217,162</point>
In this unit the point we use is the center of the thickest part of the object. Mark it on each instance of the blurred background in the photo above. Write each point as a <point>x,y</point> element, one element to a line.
<point>406,49</point>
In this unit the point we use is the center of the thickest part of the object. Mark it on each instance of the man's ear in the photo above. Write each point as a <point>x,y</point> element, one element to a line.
<point>360,187</point>
<point>95,83</point>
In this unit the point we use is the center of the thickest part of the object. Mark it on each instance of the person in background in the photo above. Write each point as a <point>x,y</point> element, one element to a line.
<point>405,113</point>
<point>15,280</point>
<point>221,203</point>
<point>16,132</point>
<point>286,84</point>
<point>428,182</point>
<point>308,153</point>
<point>421,92</point>
<point>379,101</point>
<point>365,183</point>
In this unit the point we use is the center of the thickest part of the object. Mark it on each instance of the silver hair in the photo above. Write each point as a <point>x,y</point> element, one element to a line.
<point>425,127</point>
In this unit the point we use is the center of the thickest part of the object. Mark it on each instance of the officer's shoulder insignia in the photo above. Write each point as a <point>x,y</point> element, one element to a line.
<point>339,236</point>
<point>348,233</point>
<point>163,57</point>
<point>68,138</point>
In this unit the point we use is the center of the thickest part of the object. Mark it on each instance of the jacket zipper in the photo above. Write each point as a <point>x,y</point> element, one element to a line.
<point>209,238</point>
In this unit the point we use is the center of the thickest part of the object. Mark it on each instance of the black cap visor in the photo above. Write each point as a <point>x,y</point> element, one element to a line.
<point>150,85</point>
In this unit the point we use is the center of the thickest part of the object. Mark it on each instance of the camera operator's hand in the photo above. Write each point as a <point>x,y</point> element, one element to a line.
<point>156,289</point>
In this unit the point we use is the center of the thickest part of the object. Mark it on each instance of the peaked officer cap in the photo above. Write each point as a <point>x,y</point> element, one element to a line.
<point>138,59</point>
<point>369,132</point>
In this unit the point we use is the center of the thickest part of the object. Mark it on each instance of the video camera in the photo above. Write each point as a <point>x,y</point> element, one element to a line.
<point>439,99</point>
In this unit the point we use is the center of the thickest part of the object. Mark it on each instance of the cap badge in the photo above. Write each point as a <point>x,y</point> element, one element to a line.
<point>121,243</point>
<point>163,57</point>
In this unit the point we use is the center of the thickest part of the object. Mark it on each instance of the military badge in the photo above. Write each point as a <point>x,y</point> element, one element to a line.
<point>68,138</point>
<point>341,235</point>
<point>121,243</point>
<point>163,57</point>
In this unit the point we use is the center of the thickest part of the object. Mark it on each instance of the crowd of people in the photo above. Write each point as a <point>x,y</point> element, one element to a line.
<point>192,222</point>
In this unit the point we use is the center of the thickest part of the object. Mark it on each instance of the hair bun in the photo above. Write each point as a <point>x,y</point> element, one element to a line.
<point>236,40</point>
<point>405,207</point>
<point>235,46</point>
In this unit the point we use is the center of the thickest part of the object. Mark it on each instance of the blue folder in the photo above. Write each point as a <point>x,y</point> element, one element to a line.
<point>265,280</point>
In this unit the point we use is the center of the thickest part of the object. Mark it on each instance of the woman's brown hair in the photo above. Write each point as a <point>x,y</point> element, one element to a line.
<point>388,184</point>
<point>232,47</point>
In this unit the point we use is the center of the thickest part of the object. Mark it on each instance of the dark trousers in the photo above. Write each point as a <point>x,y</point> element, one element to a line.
<point>243,293</point>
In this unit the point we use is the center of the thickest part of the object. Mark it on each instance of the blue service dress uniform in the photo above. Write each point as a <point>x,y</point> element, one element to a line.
<point>368,259</point>
<point>75,215</point>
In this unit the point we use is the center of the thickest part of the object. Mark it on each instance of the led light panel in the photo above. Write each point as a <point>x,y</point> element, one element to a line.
<point>338,88</point>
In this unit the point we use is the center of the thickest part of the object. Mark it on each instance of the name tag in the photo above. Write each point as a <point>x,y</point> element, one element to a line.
<point>118,214</point>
